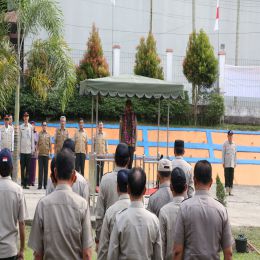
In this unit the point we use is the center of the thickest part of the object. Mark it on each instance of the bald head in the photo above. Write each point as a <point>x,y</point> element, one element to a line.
<point>136,182</point>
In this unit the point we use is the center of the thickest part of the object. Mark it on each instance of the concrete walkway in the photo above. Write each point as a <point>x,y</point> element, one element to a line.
<point>243,207</point>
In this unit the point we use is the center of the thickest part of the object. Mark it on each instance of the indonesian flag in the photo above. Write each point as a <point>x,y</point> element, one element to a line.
<point>216,28</point>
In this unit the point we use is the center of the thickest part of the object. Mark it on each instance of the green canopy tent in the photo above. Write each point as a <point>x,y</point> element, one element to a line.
<point>131,86</point>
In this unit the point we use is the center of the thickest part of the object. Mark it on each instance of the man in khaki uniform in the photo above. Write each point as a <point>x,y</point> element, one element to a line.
<point>61,227</point>
<point>44,151</point>
<point>202,228</point>
<point>168,213</point>
<point>80,186</point>
<point>27,148</point>
<point>110,216</point>
<point>81,147</point>
<point>7,135</point>
<point>101,149</point>
<point>13,211</point>
<point>163,195</point>
<point>136,233</point>
<point>107,195</point>
<point>229,159</point>
<point>186,167</point>
<point>61,135</point>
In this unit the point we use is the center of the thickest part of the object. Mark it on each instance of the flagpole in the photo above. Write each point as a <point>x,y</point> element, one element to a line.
<point>113,6</point>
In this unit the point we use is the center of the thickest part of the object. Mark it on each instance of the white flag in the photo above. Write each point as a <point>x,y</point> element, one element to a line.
<point>113,2</point>
<point>216,28</point>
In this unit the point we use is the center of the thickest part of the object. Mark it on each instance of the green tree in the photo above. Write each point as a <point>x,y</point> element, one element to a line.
<point>32,16</point>
<point>215,109</point>
<point>147,61</point>
<point>94,64</point>
<point>200,66</point>
<point>51,68</point>
<point>220,191</point>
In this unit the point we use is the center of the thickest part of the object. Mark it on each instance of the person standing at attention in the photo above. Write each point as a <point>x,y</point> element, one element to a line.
<point>229,160</point>
<point>81,147</point>
<point>61,135</point>
<point>128,130</point>
<point>27,148</point>
<point>44,151</point>
<point>101,149</point>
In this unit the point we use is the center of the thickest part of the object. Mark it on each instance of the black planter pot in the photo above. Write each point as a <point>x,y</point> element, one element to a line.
<point>241,244</point>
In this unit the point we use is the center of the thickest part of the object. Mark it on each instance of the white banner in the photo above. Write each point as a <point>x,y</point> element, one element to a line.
<point>242,81</point>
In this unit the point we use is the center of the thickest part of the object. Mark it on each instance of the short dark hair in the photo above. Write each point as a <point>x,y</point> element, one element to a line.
<point>69,144</point>
<point>165,174</point>
<point>65,164</point>
<point>6,170</point>
<point>179,150</point>
<point>53,164</point>
<point>122,179</point>
<point>203,172</point>
<point>178,180</point>
<point>122,155</point>
<point>136,181</point>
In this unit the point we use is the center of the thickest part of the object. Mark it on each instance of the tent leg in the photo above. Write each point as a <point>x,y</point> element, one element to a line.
<point>92,125</point>
<point>168,123</point>
<point>96,113</point>
<point>158,131</point>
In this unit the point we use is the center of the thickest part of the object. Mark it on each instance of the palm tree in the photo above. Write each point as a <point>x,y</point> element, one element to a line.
<point>31,16</point>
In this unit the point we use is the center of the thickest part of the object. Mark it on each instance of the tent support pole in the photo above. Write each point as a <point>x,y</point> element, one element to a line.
<point>168,123</point>
<point>96,113</point>
<point>92,125</point>
<point>158,131</point>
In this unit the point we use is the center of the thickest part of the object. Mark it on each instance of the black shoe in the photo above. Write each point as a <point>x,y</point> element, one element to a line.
<point>39,188</point>
<point>45,187</point>
<point>26,187</point>
<point>32,184</point>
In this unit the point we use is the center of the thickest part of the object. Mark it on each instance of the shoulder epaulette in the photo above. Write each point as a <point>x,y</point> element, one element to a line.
<point>186,199</point>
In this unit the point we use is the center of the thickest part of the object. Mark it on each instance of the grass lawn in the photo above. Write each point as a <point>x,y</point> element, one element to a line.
<point>252,234</point>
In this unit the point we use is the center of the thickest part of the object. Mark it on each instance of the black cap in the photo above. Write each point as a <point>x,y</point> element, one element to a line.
<point>179,144</point>
<point>6,158</point>
<point>230,132</point>
<point>178,176</point>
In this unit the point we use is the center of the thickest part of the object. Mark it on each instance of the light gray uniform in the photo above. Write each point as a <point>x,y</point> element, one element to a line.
<point>13,210</point>
<point>167,218</point>
<point>136,235</point>
<point>108,224</point>
<point>229,154</point>
<point>187,168</point>
<point>7,138</point>
<point>202,227</point>
<point>61,227</point>
<point>107,196</point>
<point>160,198</point>
<point>27,144</point>
<point>80,187</point>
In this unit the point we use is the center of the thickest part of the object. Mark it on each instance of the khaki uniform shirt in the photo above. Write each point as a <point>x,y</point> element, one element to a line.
<point>59,138</point>
<point>167,218</point>
<point>107,196</point>
<point>203,227</point>
<point>81,187</point>
<point>61,227</point>
<point>108,224</point>
<point>136,235</point>
<point>81,140</point>
<point>27,145</point>
<point>44,144</point>
<point>7,138</point>
<point>187,168</point>
<point>229,155</point>
<point>13,210</point>
<point>158,199</point>
<point>100,144</point>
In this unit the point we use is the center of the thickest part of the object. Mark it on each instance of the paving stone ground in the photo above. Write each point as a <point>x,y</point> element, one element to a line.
<point>243,207</point>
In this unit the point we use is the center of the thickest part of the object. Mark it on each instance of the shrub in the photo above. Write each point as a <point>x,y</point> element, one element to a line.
<point>220,192</point>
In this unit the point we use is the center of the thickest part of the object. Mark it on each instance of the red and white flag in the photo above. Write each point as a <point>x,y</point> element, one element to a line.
<point>216,28</point>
